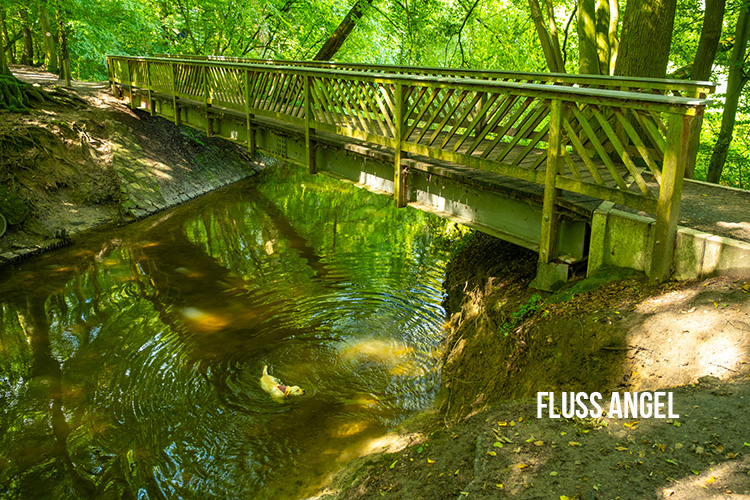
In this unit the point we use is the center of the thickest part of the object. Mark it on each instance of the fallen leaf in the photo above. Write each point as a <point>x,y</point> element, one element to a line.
<point>538,443</point>
<point>553,473</point>
<point>430,461</point>
<point>574,443</point>
<point>499,485</point>
<point>732,455</point>
<point>677,424</point>
<point>503,424</point>
<point>710,479</point>
<point>394,464</point>
<point>523,466</point>
<point>620,448</point>
<point>497,444</point>
<point>630,425</point>
<point>491,453</point>
<point>670,461</point>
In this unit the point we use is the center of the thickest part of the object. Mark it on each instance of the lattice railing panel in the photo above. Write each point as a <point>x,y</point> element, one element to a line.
<point>276,93</point>
<point>161,77</point>
<point>360,106</point>
<point>189,81</point>
<point>227,87</point>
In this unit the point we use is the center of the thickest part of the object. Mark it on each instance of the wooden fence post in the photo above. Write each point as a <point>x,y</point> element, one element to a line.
<point>174,95</point>
<point>309,131</point>
<point>206,98</point>
<point>130,83</point>
<point>676,157</point>
<point>399,173</point>
<point>548,239</point>
<point>251,145</point>
<point>550,275</point>
<point>150,101</point>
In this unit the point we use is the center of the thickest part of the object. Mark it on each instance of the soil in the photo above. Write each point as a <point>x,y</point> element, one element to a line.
<point>87,159</point>
<point>612,332</point>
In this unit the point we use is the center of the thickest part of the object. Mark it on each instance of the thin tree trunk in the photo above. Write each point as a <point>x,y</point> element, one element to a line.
<point>65,66</point>
<point>28,42</point>
<point>50,42</point>
<point>646,38</point>
<point>337,39</point>
<point>735,82</point>
<point>4,70</point>
<point>709,41</point>
<point>550,56</point>
<point>588,57</point>
<point>614,43</point>
<point>10,53</point>
<point>553,36</point>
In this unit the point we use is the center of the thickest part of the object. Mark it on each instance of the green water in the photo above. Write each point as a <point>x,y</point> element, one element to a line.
<point>130,362</point>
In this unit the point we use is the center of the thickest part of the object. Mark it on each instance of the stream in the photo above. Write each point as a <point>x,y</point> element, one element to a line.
<point>130,362</point>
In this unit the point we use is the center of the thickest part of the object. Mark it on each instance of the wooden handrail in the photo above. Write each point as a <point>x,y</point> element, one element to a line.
<point>689,88</point>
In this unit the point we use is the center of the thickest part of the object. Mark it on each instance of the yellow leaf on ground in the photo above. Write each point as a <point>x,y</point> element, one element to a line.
<point>630,425</point>
<point>620,448</point>
<point>503,424</point>
<point>538,443</point>
<point>710,479</point>
<point>523,466</point>
<point>574,443</point>
<point>430,461</point>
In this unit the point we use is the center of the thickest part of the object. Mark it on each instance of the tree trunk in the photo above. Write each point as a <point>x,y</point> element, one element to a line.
<point>65,66</point>
<point>709,42</point>
<point>553,57</point>
<point>4,70</point>
<point>646,38</point>
<point>735,82</point>
<point>50,42</point>
<point>337,39</point>
<point>588,57</point>
<point>27,58</point>
<point>10,53</point>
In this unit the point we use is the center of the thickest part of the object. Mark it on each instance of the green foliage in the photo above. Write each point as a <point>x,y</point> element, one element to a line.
<point>522,313</point>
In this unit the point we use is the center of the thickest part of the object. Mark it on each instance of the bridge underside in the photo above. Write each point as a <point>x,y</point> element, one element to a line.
<point>507,208</point>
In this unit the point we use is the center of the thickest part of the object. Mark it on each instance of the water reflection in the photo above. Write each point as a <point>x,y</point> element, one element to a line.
<point>130,364</point>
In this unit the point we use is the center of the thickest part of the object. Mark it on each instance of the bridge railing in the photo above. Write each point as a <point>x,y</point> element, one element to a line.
<point>664,86</point>
<point>625,147</point>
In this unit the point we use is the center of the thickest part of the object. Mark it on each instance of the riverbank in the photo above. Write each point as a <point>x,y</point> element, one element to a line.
<point>612,332</point>
<point>85,159</point>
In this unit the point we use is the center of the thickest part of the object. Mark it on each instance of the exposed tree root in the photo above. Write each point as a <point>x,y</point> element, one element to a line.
<point>18,96</point>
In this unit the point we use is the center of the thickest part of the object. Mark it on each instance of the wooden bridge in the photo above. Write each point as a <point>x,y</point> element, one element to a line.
<point>527,157</point>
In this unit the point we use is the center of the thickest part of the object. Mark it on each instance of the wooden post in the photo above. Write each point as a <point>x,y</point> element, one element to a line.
<point>150,101</point>
<point>676,158</point>
<point>309,131</point>
<point>174,96</point>
<point>548,238</point>
<point>251,145</point>
<point>399,173</point>
<point>130,83</point>
<point>206,98</point>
